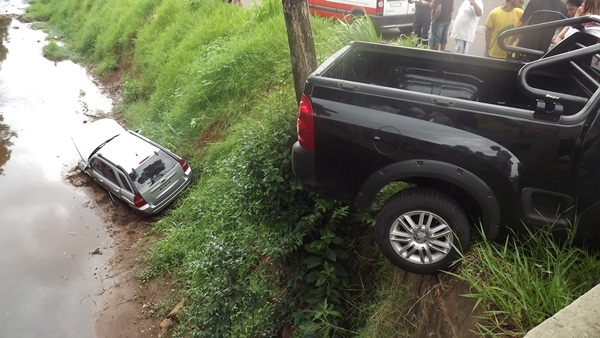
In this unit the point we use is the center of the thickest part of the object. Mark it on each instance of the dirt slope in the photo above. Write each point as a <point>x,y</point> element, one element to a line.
<point>127,308</point>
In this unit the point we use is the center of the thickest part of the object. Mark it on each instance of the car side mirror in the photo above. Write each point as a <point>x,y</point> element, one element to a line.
<point>83,166</point>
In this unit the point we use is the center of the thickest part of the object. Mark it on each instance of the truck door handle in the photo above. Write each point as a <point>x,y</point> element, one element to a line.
<point>441,101</point>
<point>348,86</point>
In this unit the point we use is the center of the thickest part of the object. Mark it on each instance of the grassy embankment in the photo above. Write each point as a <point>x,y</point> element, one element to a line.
<point>251,250</point>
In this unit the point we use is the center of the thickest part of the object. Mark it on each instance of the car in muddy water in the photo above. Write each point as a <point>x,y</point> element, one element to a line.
<point>133,168</point>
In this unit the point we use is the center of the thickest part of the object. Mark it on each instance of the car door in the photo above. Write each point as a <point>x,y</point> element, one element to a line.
<point>105,175</point>
<point>127,193</point>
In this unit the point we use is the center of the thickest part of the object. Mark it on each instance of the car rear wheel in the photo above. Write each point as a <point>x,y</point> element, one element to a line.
<point>422,230</point>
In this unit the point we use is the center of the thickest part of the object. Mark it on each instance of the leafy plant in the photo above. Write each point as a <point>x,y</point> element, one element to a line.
<point>410,41</point>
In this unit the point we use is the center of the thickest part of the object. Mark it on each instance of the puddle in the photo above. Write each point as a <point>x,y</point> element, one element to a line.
<point>50,281</point>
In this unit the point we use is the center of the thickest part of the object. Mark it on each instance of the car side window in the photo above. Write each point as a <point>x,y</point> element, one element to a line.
<point>110,174</point>
<point>95,165</point>
<point>125,183</point>
<point>104,169</point>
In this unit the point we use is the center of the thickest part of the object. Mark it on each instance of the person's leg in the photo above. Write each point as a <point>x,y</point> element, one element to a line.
<point>418,23</point>
<point>445,27</point>
<point>417,28</point>
<point>426,25</point>
<point>435,36</point>
<point>467,47</point>
<point>459,46</point>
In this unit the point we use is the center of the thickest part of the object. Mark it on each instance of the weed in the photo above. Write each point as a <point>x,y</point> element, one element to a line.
<point>52,51</point>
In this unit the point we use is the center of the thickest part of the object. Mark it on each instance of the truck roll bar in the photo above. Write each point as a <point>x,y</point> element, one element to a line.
<point>570,52</point>
<point>566,57</point>
<point>515,32</point>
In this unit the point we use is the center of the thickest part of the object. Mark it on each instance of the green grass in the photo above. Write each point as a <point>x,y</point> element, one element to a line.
<point>386,315</point>
<point>526,279</point>
<point>53,51</point>
<point>252,251</point>
<point>213,82</point>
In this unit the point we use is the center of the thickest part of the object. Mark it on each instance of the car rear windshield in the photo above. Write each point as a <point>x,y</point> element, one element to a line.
<point>152,170</point>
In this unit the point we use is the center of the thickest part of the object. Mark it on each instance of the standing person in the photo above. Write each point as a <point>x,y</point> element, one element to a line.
<point>539,11</point>
<point>499,20</point>
<point>465,24</point>
<point>589,7</point>
<point>573,7</point>
<point>422,19</point>
<point>440,23</point>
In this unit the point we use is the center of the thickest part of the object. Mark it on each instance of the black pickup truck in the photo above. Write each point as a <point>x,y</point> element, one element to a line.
<point>478,141</point>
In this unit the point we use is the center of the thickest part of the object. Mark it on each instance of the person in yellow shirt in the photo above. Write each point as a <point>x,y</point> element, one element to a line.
<point>499,20</point>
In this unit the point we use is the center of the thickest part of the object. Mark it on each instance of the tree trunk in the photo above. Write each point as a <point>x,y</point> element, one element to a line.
<point>302,44</point>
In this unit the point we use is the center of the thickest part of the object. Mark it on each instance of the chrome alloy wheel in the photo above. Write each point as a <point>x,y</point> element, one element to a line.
<point>421,237</point>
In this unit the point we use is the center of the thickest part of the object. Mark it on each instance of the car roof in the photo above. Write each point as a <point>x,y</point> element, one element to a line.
<point>128,151</point>
<point>125,149</point>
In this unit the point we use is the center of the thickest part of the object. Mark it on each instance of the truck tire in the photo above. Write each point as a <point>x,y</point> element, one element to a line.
<point>357,13</point>
<point>422,230</point>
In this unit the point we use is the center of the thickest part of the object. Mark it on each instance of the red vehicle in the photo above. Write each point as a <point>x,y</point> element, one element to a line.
<point>383,13</point>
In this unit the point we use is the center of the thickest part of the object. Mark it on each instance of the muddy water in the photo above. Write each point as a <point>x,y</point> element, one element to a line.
<point>49,280</point>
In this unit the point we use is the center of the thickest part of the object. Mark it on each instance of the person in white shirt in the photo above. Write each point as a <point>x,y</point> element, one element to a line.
<point>465,24</point>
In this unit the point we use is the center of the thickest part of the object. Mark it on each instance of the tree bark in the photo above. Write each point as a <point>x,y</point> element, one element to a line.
<point>300,39</point>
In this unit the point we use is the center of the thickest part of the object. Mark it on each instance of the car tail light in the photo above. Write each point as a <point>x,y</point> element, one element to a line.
<point>306,125</point>
<point>379,9</point>
<point>184,164</point>
<point>139,201</point>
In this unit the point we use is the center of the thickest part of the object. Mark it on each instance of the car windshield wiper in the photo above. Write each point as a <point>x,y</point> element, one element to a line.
<point>102,145</point>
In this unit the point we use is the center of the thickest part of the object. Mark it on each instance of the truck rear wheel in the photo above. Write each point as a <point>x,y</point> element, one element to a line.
<point>422,230</point>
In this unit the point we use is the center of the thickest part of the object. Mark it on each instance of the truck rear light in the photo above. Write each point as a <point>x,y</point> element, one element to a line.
<point>184,164</point>
<point>306,125</point>
<point>379,9</point>
<point>139,201</point>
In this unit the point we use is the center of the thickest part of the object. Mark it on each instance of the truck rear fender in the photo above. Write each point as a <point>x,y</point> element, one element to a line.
<point>441,171</point>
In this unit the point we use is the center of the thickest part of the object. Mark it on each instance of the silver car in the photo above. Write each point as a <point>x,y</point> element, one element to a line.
<point>131,167</point>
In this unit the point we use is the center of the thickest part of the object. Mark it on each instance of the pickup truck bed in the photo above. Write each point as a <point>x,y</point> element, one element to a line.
<point>484,80</point>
